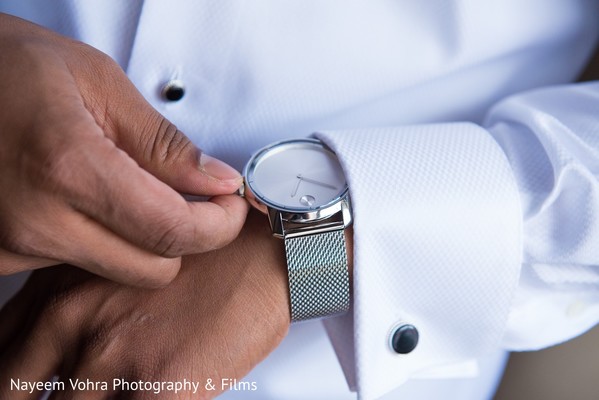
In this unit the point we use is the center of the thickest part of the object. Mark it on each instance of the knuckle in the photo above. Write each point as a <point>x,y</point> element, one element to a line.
<point>168,143</point>
<point>64,303</point>
<point>63,310</point>
<point>106,346</point>
<point>117,344</point>
<point>172,236</point>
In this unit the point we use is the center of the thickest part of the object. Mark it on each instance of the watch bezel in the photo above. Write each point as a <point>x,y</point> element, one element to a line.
<point>298,214</point>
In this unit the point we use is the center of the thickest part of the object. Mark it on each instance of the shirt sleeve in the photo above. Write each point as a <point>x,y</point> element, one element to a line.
<point>480,236</point>
<point>551,138</point>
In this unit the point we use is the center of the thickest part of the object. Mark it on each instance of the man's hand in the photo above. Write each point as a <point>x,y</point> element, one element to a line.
<point>223,313</point>
<point>89,171</point>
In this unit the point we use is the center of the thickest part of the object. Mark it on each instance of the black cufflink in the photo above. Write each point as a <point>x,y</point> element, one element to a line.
<point>173,90</point>
<point>404,339</point>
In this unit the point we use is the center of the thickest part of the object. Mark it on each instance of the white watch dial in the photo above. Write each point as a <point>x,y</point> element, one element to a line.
<point>298,175</point>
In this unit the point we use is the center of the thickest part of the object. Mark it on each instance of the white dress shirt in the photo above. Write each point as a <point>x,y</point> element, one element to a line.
<point>473,177</point>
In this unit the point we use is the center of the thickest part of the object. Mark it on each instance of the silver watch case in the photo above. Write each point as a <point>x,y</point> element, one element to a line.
<point>287,223</point>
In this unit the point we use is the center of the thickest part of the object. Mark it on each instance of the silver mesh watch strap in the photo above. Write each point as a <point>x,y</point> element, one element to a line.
<point>318,275</point>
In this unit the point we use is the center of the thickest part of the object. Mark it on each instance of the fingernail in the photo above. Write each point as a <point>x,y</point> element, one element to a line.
<point>217,169</point>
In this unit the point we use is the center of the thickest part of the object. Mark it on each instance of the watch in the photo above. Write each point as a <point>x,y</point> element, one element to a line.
<point>300,185</point>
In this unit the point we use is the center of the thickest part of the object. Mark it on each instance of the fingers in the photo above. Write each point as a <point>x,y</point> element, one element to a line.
<point>11,263</point>
<point>103,182</point>
<point>126,225</point>
<point>91,377</point>
<point>16,313</point>
<point>223,218</point>
<point>81,391</point>
<point>82,153</point>
<point>83,242</point>
<point>32,360</point>
<point>161,149</point>
<point>86,384</point>
<point>110,187</point>
<point>47,321</point>
<point>96,249</point>
<point>149,214</point>
<point>168,154</point>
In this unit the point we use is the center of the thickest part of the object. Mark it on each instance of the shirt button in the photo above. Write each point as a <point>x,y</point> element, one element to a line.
<point>173,90</point>
<point>404,339</point>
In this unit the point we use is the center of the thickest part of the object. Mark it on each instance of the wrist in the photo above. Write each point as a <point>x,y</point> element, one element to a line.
<point>269,257</point>
<point>271,266</point>
<point>267,261</point>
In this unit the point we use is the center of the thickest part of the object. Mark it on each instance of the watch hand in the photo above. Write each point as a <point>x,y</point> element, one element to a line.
<point>314,181</point>
<point>296,186</point>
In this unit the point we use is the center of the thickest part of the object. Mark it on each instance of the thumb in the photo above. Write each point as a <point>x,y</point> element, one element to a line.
<point>163,150</point>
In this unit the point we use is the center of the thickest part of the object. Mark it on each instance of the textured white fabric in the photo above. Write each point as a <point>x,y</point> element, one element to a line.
<point>444,198</point>
<point>552,139</point>
<point>436,234</point>
<point>305,367</point>
<point>106,25</point>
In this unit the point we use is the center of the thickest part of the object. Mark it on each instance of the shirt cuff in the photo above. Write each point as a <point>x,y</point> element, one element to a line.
<point>437,244</point>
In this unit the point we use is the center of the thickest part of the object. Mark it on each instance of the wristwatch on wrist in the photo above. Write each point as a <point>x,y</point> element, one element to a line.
<point>300,185</point>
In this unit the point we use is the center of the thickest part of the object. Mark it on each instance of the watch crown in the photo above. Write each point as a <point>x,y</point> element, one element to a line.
<point>241,190</point>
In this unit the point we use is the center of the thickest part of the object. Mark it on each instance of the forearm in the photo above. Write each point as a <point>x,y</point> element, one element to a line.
<point>223,313</point>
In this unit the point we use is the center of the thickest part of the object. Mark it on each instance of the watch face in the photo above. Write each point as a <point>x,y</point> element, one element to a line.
<point>296,175</point>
